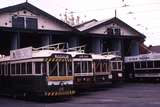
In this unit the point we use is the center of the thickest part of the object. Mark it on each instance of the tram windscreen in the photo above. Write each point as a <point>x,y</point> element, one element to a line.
<point>143,64</point>
<point>119,65</point>
<point>53,71</point>
<point>104,67</point>
<point>84,67</point>
<point>137,65</point>
<point>62,68</point>
<point>114,65</point>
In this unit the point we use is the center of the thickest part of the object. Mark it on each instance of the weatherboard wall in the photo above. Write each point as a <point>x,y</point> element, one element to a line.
<point>43,22</point>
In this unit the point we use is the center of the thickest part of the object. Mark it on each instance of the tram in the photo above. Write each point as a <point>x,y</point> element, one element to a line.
<point>82,68</point>
<point>37,72</point>
<point>101,70</point>
<point>144,67</point>
<point>115,66</point>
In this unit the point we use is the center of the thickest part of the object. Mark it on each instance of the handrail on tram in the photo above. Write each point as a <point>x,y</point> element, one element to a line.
<point>77,49</point>
<point>56,46</point>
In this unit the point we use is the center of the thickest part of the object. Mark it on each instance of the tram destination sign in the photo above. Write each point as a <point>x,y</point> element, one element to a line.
<point>143,57</point>
<point>23,53</point>
<point>61,56</point>
<point>83,56</point>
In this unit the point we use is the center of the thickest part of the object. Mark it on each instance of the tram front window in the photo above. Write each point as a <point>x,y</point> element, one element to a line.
<point>84,67</point>
<point>53,68</point>
<point>104,67</point>
<point>137,65</point>
<point>143,64</point>
<point>114,65</point>
<point>119,65</point>
<point>62,68</point>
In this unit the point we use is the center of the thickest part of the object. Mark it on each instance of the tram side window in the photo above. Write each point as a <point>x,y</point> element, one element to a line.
<point>157,64</point>
<point>62,68</point>
<point>69,68</point>
<point>37,67</point>
<point>17,68</point>
<point>77,67</point>
<point>53,69</point>
<point>0,69</point>
<point>23,68</point>
<point>137,65</point>
<point>143,65</point>
<point>29,67</point>
<point>13,68</point>
<point>3,69</point>
<point>8,69</point>
<point>89,66</point>
<point>150,64</point>
<point>44,68</point>
<point>97,66</point>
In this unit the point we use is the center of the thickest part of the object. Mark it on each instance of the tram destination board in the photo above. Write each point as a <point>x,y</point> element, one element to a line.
<point>83,56</point>
<point>23,53</point>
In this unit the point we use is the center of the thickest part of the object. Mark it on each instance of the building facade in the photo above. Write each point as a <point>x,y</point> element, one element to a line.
<point>25,25</point>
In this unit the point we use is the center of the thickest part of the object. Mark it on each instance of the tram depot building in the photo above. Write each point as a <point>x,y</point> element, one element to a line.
<point>25,25</point>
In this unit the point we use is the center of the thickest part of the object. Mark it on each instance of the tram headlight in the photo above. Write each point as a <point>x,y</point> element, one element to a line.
<point>119,74</point>
<point>110,76</point>
<point>61,83</point>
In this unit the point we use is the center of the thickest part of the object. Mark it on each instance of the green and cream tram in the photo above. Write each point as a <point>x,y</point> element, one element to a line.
<point>101,70</point>
<point>29,72</point>
<point>115,67</point>
<point>144,67</point>
<point>82,67</point>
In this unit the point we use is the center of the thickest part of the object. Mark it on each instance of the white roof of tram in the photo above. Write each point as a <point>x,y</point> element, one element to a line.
<point>143,57</point>
<point>4,58</point>
<point>28,52</point>
<point>74,53</point>
<point>45,53</point>
<point>109,57</point>
<point>98,56</point>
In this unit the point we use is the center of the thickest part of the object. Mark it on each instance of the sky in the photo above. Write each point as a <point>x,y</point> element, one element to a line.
<point>143,15</point>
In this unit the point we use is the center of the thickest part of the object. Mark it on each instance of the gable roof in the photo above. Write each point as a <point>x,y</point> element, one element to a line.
<point>95,24</point>
<point>87,22</point>
<point>35,10</point>
<point>155,48</point>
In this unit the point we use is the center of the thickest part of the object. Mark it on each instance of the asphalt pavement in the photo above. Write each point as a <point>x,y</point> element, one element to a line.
<point>124,95</point>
